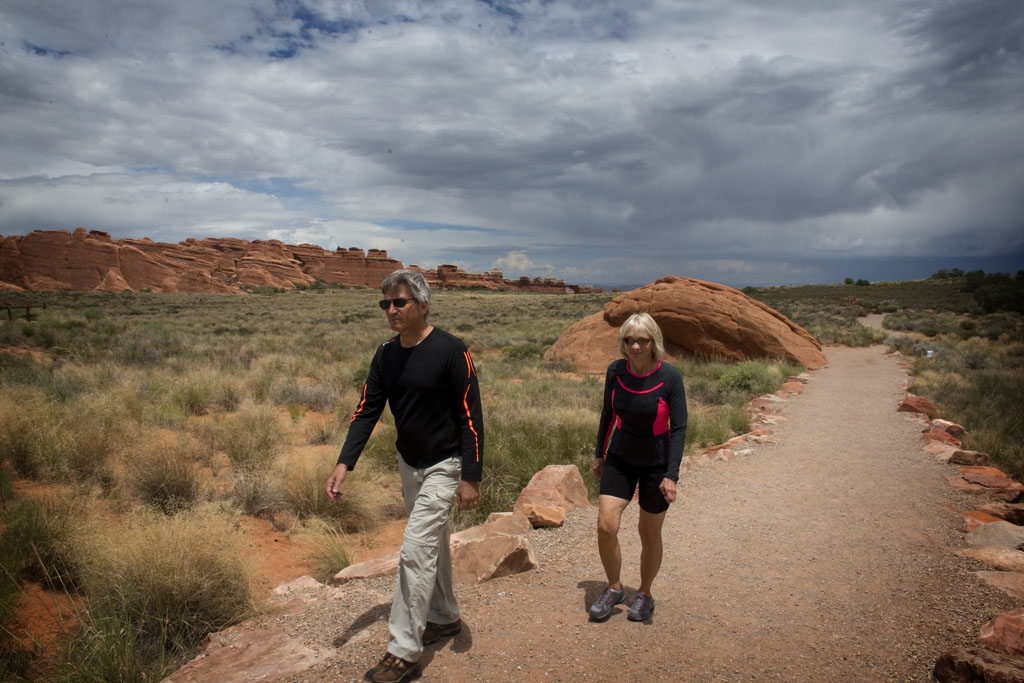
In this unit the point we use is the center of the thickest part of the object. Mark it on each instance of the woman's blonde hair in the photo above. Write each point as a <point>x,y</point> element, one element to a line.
<point>647,327</point>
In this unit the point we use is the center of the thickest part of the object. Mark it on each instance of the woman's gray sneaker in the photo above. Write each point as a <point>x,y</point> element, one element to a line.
<point>642,608</point>
<point>602,609</point>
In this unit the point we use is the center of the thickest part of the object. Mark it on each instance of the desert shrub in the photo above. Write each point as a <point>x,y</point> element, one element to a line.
<point>315,396</point>
<point>751,377</point>
<point>147,344</point>
<point>321,431</point>
<point>156,586</point>
<point>251,439</point>
<point>296,411</point>
<point>707,428</point>
<point>979,384</point>
<point>58,442</point>
<point>366,498</point>
<point>261,387</point>
<point>16,657</point>
<point>19,445</point>
<point>331,548</point>
<point>702,390</point>
<point>255,492</point>
<point>521,352</point>
<point>164,475</point>
<point>226,394</point>
<point>36,542</point>
<point>6,484</point>
<point>735,418</point>
<point>80,440</point>
<point>192,394</point>
<point>900,342</point>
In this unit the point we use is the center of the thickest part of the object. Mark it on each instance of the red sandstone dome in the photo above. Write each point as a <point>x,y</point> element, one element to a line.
<point>696,318</point>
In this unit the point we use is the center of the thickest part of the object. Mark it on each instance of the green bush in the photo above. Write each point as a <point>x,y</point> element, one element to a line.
<point>752,377</point>
<point>36,542</point>
<point>251,440</point>
<point>365,503</point>
<point>331,548</point>
<point>165,476</point>
<point>192,394</point>
<point>156,586</point>
<point>521,352</point>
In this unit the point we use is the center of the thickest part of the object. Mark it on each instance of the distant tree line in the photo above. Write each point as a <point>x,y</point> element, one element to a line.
<point>992,291</point>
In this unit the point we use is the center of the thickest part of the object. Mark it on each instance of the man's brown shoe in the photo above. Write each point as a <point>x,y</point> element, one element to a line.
<point>435,632</point>
<point>393,669</point>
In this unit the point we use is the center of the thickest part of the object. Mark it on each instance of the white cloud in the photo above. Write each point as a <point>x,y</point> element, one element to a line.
<point>618,140</point>
<point>517,263</point>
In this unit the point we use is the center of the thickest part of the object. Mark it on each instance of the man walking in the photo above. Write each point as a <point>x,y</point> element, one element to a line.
<point>428,379</point>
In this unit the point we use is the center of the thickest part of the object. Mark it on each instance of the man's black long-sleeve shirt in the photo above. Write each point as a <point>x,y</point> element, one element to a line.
<point>433,393</point>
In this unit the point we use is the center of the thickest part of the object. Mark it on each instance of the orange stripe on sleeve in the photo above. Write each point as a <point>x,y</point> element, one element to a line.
<point>476,437</point>
<point>360,408</point>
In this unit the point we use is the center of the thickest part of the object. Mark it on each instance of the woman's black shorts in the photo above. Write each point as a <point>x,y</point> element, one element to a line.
<point>620,479</point>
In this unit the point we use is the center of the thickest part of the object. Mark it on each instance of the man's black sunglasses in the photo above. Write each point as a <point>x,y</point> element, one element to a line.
<point>400,302</point>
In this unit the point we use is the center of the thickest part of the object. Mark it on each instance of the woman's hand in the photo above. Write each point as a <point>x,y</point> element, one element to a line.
<point>668,489</point>
<point>598,467</point>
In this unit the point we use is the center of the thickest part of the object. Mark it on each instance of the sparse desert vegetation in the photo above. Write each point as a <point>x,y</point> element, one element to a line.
<point>962,332</point>
<point>138,416</point>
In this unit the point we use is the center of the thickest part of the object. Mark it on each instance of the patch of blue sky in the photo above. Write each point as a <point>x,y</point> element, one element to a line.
<point>43,51</point>
<point>312,25</point>
<point>314,22</point>
<point>504,8</point>
<point>288,191</point>
<point>400,224</point>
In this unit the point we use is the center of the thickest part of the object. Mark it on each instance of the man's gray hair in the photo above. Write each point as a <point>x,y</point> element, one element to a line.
<point>417,284</point>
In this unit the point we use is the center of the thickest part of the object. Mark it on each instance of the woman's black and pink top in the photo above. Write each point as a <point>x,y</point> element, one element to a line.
<point>643,420</point>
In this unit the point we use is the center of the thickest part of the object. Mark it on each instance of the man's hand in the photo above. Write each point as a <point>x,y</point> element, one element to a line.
<point>598,467</point>
<point>335,480</point>
<point>668,489</point>
<point>467,495</point>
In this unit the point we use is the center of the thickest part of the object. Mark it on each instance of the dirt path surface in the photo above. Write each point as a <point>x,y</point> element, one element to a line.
<point>820,558</point>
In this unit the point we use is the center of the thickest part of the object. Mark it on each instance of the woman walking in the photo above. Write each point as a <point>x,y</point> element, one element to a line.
<point>642,430</point>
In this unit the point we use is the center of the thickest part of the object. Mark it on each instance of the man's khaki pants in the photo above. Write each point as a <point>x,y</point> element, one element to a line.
<point>423,588</point>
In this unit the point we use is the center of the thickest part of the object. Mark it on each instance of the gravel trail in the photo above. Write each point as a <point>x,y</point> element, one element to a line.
<point>820,558</point>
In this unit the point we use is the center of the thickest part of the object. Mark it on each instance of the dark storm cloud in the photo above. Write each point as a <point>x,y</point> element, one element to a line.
<point>737,141</point>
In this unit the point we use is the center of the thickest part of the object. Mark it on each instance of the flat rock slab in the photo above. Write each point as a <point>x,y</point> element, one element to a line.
<point>976,518</point>
<point>997,533</point>
<point>243,655</point>
<point>978,665</point>
<point>994,556</point>
<point>1011,583</point>
<point>1011,512</point>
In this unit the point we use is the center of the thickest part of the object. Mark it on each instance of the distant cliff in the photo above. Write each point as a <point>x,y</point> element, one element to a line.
<point>92,260</point>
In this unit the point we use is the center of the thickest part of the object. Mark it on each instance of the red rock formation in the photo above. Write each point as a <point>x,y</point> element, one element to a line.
<point>696,318</point>
<point>59,260</point>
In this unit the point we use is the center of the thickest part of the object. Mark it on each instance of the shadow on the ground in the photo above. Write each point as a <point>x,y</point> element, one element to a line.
<point>364,621</point>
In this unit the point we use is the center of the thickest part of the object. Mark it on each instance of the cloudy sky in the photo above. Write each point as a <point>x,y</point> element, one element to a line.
<point>739,141</point>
